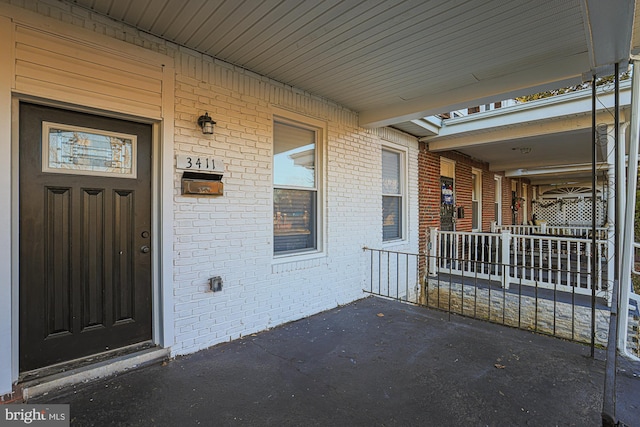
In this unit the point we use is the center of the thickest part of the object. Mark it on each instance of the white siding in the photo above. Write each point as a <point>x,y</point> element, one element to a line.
<point>57,68</point>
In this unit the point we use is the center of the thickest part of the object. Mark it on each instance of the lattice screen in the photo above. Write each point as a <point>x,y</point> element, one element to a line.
<point>570,211</point>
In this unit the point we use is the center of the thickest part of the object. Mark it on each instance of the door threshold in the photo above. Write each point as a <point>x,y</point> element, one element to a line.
<point>40,382</point>
<point>47,371</point>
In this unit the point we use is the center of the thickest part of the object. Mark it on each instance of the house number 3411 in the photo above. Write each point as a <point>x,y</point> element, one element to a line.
<point>199,163</point>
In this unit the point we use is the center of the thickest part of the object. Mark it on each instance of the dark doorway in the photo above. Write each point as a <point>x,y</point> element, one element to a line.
<point>85,262</point>
<point>447,204</point>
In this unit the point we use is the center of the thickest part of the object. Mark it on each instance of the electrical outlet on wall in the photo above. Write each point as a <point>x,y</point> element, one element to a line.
<point>215,284</point>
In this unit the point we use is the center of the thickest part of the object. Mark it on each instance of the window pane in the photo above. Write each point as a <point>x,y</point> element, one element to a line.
<point>294,156</point>
<point>390,172</point>
<point>294,220</point>
<point>474,187</point>
<point>391,218</point>
<point>475,206</point>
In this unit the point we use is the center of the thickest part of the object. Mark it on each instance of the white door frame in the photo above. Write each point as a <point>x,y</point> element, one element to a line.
<point>525,203</point>
<point>498,197</point>
<point>477,189</point>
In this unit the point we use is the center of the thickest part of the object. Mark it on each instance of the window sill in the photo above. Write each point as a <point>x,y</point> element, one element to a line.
<point>298,262</point>
<point>394,243</point>
<point>295,257</point>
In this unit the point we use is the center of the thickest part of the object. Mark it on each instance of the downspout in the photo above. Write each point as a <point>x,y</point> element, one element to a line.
<point>628,234</point>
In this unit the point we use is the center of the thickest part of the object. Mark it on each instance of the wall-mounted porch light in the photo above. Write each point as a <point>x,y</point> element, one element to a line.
<point>206,123</point>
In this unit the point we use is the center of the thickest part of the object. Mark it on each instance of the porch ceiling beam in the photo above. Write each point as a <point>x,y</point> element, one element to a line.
<point>585,167</point>
<point>513,133</point>
<point>547,184</point>
<point>538,165</point>
<point>427,125</point>
<point>574,103</point>
<point>547,76</point>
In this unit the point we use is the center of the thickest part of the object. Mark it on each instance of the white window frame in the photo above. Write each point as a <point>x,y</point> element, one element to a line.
<point>478,193</point>
<point>404,217</point>
<point>320,128</point>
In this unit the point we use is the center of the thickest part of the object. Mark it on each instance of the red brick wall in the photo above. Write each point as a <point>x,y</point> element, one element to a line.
<point>429,197</point>
<point>429,190</point>
<point>462,193</point>
<point>488,199</point>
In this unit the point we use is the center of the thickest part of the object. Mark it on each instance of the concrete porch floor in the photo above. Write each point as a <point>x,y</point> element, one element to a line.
<point>373,362</point>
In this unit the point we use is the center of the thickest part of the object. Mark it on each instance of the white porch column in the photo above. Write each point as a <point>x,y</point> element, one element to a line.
<point>629,216</point>
<point>505,239</point>
<point>611,191</point>
<point>614,218</point>
<point>433,251</point>
<point>620,192</point>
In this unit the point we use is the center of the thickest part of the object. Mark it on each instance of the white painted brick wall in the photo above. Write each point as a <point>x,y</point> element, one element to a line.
<point>231,236</point>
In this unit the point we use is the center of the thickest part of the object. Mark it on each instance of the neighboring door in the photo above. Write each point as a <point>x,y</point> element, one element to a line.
<point>447,204</point>
<point>448,248</point>
<point>85,223</point>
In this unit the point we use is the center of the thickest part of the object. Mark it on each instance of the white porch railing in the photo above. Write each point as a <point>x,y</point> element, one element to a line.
<point>633,326</point>
<point>554,230</point>
<point>632,316</point>
<point>552,262</point>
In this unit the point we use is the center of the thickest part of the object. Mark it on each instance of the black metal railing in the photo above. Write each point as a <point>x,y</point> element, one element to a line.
<point>395,274</point>
<point>560,311</point>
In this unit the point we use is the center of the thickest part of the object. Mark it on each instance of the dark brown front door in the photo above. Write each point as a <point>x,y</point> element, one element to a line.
<point>85,263</point>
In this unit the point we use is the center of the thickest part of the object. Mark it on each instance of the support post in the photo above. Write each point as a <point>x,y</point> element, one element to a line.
<point>615,194</point>
<point>505,238</point>
<point>594,252</point>
<point>433,251</point>
<point>629,218</point>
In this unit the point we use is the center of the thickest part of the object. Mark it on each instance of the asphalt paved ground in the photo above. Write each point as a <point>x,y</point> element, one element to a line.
<point>370,363</point>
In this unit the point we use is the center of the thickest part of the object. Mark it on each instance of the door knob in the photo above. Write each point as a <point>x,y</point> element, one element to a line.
<point>145,249</point>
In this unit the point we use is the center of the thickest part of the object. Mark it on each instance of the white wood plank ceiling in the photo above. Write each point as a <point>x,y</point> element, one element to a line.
<point>393,60</point>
